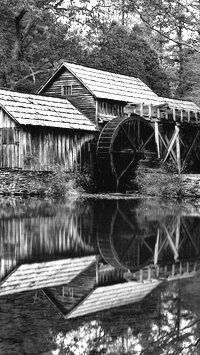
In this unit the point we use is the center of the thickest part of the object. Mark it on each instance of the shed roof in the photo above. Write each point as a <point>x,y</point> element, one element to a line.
<point>39,110</point>
<point>107,85</point>
<point>34,276</point>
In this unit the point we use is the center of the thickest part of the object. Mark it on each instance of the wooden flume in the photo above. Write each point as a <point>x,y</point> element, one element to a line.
<point>170,130</point>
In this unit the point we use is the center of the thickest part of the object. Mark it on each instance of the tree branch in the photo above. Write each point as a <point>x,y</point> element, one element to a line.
<point>166,36</point>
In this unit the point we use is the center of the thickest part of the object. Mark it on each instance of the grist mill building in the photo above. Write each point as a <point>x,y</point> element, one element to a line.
<point>82,115</point>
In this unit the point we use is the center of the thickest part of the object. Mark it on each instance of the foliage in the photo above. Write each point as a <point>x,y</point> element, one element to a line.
<point>72,183</point>
<point>125,51</point>
<point>29,45</point>
<point>157,41</point>
<point>161,184</point>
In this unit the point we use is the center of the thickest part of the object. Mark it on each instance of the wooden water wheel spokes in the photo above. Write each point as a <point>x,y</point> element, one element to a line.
<point>122,143</point>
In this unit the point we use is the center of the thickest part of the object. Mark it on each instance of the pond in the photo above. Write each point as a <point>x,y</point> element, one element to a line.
<point>99,276</point>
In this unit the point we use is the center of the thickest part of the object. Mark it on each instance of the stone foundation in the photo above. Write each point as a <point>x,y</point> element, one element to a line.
<point>191,185</point>
<point>24,182</point>
<point>35,183</point>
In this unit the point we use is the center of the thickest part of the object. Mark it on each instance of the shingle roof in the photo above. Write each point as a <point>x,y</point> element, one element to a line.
<point>180,104</point>
<point>107,297</point>
<point>39,110</point>
<point>107,85</point>
<point>46,274</point>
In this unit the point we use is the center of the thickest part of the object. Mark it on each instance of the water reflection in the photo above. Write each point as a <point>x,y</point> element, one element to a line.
<point>91,261</point>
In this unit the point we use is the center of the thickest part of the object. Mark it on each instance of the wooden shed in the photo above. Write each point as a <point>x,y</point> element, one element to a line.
<point>37,132</point>
<point>100,95</point>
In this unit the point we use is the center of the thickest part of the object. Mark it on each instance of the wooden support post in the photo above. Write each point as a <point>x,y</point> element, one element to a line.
<point>180,268</point>
<point>157,271</point>
<point>178,151</point>
<point>138,133</point>
<point>63,291</point>
<point>187,267</point>
<point>165,271</point>
<point>141,275</point>
<point>173,139</point>
<point>188,116</point>
<point>178,224</point>
<point>156,129</point>
<point>141,110</point>
<point>158,114</point>
<point>97,270</point>
<point>150,111</point>
<point>195,267</point>
<point>96,113</point>
<point>190,149</point>
<point>149,273</point>
<point>173,270</point>
<point>156,248</point>
<point>181,115</point>
<point>174,114</point>
<point>169,237</point>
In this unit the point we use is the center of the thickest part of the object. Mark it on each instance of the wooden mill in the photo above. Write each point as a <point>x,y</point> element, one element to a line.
<point>134,122</point>
<point>166,129</point>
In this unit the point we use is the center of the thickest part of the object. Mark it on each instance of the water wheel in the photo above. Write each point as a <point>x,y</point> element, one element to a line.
<point>122,142</point>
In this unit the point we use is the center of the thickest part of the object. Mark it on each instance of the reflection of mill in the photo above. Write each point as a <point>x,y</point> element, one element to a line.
<point>136,241</point>
<point>138,250</point>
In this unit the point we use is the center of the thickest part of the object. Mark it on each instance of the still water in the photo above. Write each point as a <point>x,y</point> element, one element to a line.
<point>99,276</point>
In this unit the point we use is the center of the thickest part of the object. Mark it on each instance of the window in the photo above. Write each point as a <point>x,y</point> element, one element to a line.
<point>66,90</point>
<point>8,135</point>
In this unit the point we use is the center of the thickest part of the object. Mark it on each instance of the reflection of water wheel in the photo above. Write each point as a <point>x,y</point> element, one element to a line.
<point>126,245</point>
<point>122,142</point>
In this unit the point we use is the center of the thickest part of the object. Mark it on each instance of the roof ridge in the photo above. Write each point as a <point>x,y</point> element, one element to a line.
<point>101,70</point>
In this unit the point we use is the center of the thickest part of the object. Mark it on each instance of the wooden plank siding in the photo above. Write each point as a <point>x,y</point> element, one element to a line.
<point>107,109</point>
<point>80,97</point>
<point>37,132</point>
<point>42,147</point>
<point>9,141</point>
<point>22,239</point>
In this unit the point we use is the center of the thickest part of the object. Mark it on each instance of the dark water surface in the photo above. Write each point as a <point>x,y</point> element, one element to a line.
<point>99,276</point>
